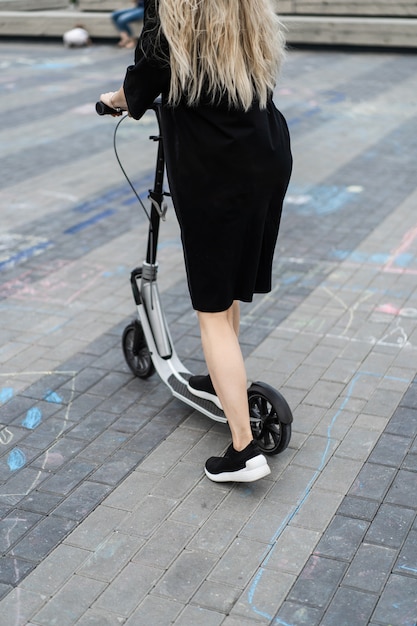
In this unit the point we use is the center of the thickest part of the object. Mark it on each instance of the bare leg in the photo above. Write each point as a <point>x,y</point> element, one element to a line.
<point>219,335</point>
<point>124,38</point>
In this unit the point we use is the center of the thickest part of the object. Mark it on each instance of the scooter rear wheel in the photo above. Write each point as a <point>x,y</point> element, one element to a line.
<point>270,433</point>
<point>135,350</point>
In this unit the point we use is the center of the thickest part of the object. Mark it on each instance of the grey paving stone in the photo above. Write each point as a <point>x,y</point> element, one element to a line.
<point>14,526</point>
<point>67,478</point>
<point>292,549</point>
<point>156,611</point>
<point>185,576</point>
<point>294,613</point>
<point>217,533</point>
<point>82,501</point>
<point>59,453</point>
<point>360,508</point>
<point>103,446</point>
<point>121,402</point>
<point>240,621</point>
<point>110,384</point>
<point>165,544</point>
<point>20,605</point>
<point>390,450</point>
<point>193,615</point>
<point>407,560</point>
<point>45,536</point>
<point>128,589</point>
<point>229,568</point>
<point>147,438</point>
<point>171,451</point>
<point>117,466</point>
<point>264,594</point>
<point>403,422</point>
<point>147,516</point>
<point>133,489</point>
<point>110,557</point>
<point>268,521</point>
<point>15,408</point>
<point>373,481</point>
<point>216,596</point>
<point>14,569</point>
<point>390,526</point>
<point>71,601</point>
<point>370,568</point>
<point>342,538</point>
<point>4,590</point>
<point>96,528</point>
<point>200,503</point>
<point>317,582</point>
<point>349,606</point>
<point>98,618</point>
<point>398,602</point>
<point>179,481</point>
<point>410,462</point>
<point>21,483</point>
<point>92,425</point>
<point>86,377</point>
<point>47,433</point>
<point>50,575</point>
<point>19,456</point>
<point>315,518</point>
<point>82,405</point>
<point>291,485</point>
<point>410,398</point>
<point>11,437</point>
<point>402,491</point>
<point>131,421</point>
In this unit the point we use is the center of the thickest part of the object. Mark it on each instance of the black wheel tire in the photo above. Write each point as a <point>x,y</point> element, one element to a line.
<point>135,350</point>
<point>269,432</point>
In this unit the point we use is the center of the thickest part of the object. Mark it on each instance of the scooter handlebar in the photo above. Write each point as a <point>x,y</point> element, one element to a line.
<point>103,109</point>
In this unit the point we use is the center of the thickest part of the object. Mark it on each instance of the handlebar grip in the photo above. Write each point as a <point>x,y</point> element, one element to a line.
<point>103,109</point>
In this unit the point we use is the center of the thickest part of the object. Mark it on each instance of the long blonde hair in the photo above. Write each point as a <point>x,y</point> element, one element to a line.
<point>231,48</point>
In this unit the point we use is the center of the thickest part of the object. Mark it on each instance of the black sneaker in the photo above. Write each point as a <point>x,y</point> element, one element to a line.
<point>241,467</point>
<point>202,387</point>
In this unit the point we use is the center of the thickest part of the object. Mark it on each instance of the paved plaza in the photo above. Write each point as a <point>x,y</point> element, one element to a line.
<point>107,517</point>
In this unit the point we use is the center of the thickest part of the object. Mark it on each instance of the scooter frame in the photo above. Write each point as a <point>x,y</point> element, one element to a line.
<point>148,345</point>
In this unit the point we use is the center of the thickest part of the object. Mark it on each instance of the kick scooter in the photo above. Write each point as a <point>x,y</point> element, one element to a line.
<point>147,343</point>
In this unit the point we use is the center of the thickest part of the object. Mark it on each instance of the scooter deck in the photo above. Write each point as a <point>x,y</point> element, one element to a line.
<point>205,406</point>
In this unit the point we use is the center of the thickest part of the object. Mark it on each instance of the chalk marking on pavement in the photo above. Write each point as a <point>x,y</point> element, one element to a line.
<point>307,491</point>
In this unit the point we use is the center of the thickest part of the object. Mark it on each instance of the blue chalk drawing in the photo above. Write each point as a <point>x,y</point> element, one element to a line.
<point>319,200</point>
<point>316,473</point>
<point>16,459</point>
<point>52,396</point>
<point>6,393</point>
<point>76,228</point>
<point>33,418</point>
<point>409,569</point>
<point>404,260</point>
<point>23,255</point>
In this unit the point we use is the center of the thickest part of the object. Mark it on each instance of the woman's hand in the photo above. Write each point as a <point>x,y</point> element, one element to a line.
<point>115,100</point>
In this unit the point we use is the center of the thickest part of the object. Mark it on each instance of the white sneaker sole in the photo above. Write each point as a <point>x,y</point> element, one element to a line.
<point>255,469</point>
<point>205,396</point>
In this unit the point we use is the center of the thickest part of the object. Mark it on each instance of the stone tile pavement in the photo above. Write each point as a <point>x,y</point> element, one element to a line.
<point>107,517</point>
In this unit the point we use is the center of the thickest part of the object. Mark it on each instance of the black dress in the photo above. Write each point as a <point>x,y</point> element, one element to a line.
<point>228,172</point>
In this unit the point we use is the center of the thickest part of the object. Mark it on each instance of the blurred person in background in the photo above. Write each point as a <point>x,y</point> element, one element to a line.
<point>122,20</point>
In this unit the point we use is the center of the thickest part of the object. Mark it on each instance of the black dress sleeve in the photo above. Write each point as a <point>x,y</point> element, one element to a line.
<point>150,75</point>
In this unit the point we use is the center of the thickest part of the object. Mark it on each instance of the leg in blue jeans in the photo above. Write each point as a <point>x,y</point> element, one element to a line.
<point>122,20</point>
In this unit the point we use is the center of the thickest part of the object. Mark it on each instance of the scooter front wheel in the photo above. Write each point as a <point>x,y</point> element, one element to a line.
<point>135,350</point>
<point>270,418</point>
